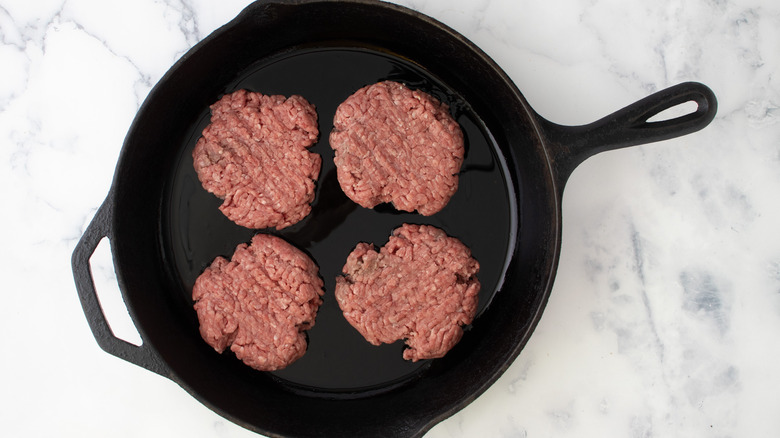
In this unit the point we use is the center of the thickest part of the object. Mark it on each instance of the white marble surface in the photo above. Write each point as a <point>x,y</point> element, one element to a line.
<point>665,315</point>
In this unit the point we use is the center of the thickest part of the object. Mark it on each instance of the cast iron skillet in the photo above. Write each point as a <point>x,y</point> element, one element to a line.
<point>164,228</point>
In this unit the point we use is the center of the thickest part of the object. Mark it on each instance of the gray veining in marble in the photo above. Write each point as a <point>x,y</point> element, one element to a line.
<point>665,315</point>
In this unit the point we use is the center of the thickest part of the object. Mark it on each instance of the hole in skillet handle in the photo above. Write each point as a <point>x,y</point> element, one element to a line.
<point>99,229</point>
<point>675,112</point>
<point>109,296</point>
<point>639,123</point>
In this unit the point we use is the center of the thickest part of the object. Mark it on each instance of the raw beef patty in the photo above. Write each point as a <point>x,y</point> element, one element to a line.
<point>254,155</point>
<point>260,302</point>
<point>396,145</point>
<point>421,286</point>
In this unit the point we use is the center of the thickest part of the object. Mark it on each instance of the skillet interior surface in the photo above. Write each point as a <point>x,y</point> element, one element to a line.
<point>482,213</point>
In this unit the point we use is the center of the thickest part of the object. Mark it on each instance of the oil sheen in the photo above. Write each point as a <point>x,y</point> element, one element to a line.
<point>338,361</point>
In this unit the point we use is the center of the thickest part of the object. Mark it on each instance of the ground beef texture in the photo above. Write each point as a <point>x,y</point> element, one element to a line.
<point>397,145</point>
<point>421,287</point>
<point>260,302</point>
<point>254,156</point>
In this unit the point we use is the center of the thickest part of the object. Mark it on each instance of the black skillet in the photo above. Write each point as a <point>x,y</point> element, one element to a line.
<point>164,228</point>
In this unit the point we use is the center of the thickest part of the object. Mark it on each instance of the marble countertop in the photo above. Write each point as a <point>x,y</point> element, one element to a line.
<point>665,315</point>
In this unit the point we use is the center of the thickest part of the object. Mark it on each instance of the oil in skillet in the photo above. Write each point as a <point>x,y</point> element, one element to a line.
<point>339,362</point>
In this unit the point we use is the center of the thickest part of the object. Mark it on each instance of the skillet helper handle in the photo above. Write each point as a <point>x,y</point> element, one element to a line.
<point>143,355</point>
<point>571,145</point>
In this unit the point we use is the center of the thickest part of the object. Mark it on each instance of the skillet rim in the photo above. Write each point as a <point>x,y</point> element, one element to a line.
<point>117,250</point>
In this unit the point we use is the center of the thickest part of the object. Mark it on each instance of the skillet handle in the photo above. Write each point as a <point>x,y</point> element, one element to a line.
<point>143,356</point>
<point>571,145</point>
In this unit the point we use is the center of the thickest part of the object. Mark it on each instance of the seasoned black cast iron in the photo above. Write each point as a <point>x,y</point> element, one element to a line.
<point>164,228</point>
